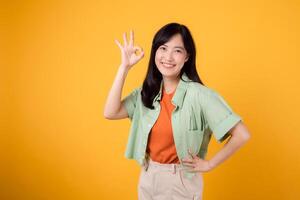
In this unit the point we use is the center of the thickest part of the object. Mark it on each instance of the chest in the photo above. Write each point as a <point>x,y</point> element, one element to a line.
<point>185,119</point>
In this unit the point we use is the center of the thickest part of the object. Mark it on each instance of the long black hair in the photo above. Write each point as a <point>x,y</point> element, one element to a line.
<point>151,84</point>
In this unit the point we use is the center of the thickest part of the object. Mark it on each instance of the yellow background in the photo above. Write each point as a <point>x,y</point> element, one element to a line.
<point>58,62</point>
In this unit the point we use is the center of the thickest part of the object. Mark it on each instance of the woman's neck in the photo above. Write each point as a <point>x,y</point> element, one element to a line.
<point>170,84</point>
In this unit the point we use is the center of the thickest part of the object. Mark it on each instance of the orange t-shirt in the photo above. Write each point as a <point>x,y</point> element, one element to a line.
<point>161,146</point>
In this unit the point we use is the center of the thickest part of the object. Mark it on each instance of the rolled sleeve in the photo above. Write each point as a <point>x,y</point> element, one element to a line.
<point>130,102</point>
<point>219,116</point>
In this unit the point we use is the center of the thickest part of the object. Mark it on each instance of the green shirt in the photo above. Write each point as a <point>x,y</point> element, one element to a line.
<point>199,113</point>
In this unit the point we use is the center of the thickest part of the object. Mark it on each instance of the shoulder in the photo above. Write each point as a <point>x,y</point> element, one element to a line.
<point>200,91</point>
<point>201,95</point>
<point>136,91</point>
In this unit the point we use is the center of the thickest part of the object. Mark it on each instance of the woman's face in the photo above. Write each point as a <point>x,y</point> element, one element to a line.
<point>170,57</point>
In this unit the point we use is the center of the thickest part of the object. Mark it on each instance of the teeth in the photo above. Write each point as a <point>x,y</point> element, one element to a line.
<point>168,65</point>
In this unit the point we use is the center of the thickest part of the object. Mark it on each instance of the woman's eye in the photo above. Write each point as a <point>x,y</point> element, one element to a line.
<point>178,51</point>
<point>163,48</point>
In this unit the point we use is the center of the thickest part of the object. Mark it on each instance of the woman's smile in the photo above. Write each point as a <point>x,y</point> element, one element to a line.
<point>168,65</point>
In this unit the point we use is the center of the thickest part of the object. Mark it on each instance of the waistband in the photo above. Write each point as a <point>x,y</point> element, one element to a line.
<point>173,167</point>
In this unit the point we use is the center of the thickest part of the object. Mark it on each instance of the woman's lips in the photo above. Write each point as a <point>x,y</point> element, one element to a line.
<point>168,65</point>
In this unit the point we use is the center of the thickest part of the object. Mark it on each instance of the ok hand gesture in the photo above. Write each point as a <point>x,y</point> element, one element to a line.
<point>128,51</point>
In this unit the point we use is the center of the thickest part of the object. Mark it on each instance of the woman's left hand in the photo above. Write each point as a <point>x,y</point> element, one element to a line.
<point>196,164</point>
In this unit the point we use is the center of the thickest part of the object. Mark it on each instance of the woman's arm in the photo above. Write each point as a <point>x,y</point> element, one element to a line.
<point>239,136</point>
<point>114,108</point>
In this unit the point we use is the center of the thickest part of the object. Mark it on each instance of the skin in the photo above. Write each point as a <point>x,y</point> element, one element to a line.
<point>169,59</point>
<point>114,108</point>
<point>239,136</point>
<point>168,53</point>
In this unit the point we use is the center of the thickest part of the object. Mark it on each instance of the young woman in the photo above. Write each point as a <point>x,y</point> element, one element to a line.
<point>173,116</point>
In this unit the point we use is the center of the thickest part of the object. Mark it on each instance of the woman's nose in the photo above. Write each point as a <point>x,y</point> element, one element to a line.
<point>168,56</point>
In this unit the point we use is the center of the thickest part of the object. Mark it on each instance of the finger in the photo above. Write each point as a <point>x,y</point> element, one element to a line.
<point>137,48</point>
<point>192,170</point>
<point>187,160</point>
<point>139,51</point>
<point>192,154</point>
<point>119,44</point>
<point>189,165</point>
<point>142,54</point>
<point>125,39</point>
<point>131,41</point>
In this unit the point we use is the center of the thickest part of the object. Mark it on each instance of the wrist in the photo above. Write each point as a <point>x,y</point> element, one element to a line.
<point>124,69</point>
<point>125,66</point>
<point>210,165</point>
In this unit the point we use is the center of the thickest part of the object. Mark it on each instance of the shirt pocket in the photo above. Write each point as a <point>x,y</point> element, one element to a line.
<point>193,140</point>
<point>195,125</point>
<point>192,123</point>
<point>194,131</point>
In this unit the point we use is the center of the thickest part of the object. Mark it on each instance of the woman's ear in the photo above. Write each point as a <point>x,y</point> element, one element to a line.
<point>187,58</point>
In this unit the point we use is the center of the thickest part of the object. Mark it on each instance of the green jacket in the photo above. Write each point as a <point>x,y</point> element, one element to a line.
<point>199,112</point>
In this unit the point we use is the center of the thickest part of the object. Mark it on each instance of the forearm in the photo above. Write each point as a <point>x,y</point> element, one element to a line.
<point>236,141</point>
<point>113,101</point>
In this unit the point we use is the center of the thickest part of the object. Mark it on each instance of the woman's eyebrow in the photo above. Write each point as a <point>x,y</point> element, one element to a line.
<point>180,47</point>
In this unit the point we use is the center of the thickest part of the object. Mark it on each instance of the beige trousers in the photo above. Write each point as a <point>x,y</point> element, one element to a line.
<point>159,181</point>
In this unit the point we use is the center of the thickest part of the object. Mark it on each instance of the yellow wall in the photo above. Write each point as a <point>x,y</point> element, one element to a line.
<point>57,66</point>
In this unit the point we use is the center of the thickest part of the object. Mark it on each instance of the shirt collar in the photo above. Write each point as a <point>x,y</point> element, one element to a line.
<point>179,93</point>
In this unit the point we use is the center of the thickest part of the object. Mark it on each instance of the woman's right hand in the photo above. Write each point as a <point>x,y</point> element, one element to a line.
<point>128,51</point>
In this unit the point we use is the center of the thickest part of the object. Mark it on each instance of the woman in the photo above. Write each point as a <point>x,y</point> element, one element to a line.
<point>173,116</point>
